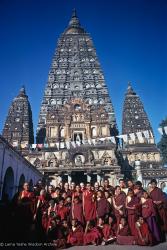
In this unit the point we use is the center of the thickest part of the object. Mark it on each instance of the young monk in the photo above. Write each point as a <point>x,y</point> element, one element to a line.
<point>75,237</point>
<point>89,204</point>
<point>159,201</point>
<point>143,235</point>
<point>103,206</point>
<point>119,203</point>
<point>132,205</point>
<point>149,214</point>
<point>109,230</point>
<point>92,234</point>
<point>77,210</point>
<point>123,233</point>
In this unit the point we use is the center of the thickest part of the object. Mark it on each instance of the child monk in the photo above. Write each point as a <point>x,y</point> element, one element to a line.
<point>92,234</point>
<point>62,210</point>
<point>109,230</point>
<point>103,206</point>
<point>75,237</point>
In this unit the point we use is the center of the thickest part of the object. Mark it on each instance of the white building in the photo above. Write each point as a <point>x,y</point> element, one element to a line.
<point>14,170</point>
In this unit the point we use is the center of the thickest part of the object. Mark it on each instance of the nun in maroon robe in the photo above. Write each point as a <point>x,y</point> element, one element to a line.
<point>160,204</point>
<point>132,205</point>
<point>119,204</point>
<point>149,214</point>
<point>89,204</point>
<point>77,210</point>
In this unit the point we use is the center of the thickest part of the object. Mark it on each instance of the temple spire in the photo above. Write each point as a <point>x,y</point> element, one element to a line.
<point>130,90</point>
<point>22,91</point>
<point>74,22</point>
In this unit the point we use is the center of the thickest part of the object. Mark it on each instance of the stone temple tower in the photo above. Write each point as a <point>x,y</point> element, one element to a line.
<point>18,128</point>
<point>75,73</point>
<point>140,150</point>
<point>76,111</point>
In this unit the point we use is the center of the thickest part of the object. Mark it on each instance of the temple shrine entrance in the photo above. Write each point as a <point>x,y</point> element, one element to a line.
<point>78,177</point>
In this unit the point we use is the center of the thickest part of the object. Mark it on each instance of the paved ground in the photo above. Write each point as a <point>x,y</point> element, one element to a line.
<point>162,246</point>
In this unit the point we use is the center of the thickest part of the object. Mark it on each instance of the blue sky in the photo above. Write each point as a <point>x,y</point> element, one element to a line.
<point>130,37</point>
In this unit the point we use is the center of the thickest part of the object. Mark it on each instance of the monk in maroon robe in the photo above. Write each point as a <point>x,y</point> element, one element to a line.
<point>143,235</point>
<point>159,201</point>
<point>149,214</point>
<point>89,204</point>
<point>103,206</point>
<point>62,210</point>
<point>123,233</point>
<point>132,204</point>
<point>75,237</point>
<point>77,210</point>
<point>92,234</point>
<point>119,204</point>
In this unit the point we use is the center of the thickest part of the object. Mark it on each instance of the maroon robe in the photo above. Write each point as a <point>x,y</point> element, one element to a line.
<point>103,207</point>
<point>93,236</point>
<point>89,206</point>
<point>63,212</point>
<point>75,237</point>
<point>77,212</point>
<point>145,233</point>
<point>108,231</point>
<point>124,237</point>
<point>157,195</point>
<point>133,213</point>
<point>119,200</point>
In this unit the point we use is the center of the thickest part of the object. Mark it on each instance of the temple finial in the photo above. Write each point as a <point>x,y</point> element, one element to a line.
<point>74,13</point>
<point>130,90</point>
<point>22,90</point>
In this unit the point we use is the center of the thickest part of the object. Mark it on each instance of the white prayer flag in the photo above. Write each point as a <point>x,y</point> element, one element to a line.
<point>146,134</point>
<point>132,136</point>
<point>73,144</point>
<point>140,136</point>
<point>78,143</point>
<point>89,141</point>
<point>113,139</point>
<point>151,134</point>
<point>165,129</point>
<point>102,139</point>
<point>68,144</point>
<point>125,138</point>
<point>94,141</point>
<point>160,130</point>
<point>57,145</point>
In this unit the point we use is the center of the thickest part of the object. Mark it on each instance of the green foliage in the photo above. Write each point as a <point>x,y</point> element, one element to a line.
<point>162,145</point>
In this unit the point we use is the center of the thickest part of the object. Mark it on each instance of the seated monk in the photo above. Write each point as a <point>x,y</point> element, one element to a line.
<point>143,235</point>
<point>92,234</point>
<point>109,230</point>
<point>123,233</point>
<point>75,237</point>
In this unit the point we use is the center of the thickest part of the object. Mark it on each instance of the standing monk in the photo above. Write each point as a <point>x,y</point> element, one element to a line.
<point>132,205</point>
<point>89,204</point>
<point>159,201</point>
<point>119,199</point>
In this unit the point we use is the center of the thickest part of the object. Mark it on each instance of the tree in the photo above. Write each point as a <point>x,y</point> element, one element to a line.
<point>162,145</point>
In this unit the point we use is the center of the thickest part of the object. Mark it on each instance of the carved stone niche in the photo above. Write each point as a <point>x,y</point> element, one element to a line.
<point>37,163</point>
<point>52,161</point>
<point>107,160</point>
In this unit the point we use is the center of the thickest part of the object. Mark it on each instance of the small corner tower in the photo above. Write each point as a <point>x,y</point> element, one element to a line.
<point>18,128</point>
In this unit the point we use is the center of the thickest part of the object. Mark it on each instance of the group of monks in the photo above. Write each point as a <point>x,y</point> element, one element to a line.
<point>84,214</point>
